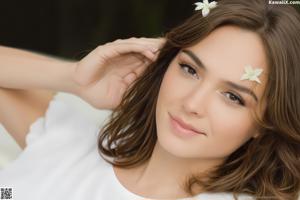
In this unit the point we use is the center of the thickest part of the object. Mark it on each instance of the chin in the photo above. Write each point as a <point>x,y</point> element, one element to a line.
<point>174,147</point>
<point>170,143</point>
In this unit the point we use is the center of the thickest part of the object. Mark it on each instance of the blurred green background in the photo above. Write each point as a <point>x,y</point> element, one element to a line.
<point>70,28</point>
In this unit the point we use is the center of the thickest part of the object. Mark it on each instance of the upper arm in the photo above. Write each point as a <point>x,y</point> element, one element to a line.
<point>20,108</point>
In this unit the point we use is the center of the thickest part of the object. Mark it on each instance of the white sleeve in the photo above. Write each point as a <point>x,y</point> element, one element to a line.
<point>66,114</point>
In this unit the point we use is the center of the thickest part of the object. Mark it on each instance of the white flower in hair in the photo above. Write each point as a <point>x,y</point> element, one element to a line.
<point>251,74</point>
<point>205,6</point>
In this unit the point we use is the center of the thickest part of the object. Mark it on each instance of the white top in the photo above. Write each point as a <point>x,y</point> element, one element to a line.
<point>61,159</point>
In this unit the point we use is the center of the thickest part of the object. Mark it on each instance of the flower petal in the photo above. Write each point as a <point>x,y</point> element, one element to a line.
<point>205,2</point>
<point>212,4</point>
<point>205,11</point>
<point>258,71</point>
<point>199,6</point>
<point>248,69</point>
<point>244,77</point>
<point>256,79</point>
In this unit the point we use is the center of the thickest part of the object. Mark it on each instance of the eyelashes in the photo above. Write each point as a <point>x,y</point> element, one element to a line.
<point>235,98</point>
<point>231,96</point>
<point>188,69</point>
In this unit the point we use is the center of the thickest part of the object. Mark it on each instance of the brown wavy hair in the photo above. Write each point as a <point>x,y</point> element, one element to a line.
<point>265,167</point>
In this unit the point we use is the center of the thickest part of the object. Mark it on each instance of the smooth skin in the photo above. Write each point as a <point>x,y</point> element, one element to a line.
<point>202,98</point>
<point>199,97</point>
<point>28,81</point>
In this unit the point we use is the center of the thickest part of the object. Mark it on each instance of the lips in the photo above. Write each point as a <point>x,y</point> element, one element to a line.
<point>185,125</point>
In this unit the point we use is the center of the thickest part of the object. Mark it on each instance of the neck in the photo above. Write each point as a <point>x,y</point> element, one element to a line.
<point>163,175</point>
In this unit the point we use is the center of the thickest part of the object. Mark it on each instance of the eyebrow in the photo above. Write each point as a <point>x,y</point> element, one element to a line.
<point>230,83</point>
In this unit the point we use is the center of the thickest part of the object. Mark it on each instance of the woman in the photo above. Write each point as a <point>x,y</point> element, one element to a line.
<point>217,113</point>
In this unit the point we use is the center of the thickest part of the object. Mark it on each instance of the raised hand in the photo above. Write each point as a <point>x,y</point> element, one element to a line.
<point>108,71</point>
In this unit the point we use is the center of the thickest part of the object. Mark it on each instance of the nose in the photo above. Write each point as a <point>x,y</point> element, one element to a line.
<point>196,101</point>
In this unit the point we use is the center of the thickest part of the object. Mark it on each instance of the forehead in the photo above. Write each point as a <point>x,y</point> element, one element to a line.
<point>227,50</point>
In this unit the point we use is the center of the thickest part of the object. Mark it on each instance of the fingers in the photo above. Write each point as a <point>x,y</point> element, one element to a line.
<point>154,43</point>
<point>129,78</point>
<point>142,59</point>
<point>141,69</point>
<point>133,75</point>
<point>113,50</point>
<point>148,47</point>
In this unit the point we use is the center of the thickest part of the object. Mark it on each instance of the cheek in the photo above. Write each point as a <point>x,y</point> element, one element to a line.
<point>230,128</point>
<point>165,97</point>
<point>169,87</point>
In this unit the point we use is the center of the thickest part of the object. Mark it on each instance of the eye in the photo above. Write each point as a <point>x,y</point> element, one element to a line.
<point>188,69</point>
<point>235,98</point>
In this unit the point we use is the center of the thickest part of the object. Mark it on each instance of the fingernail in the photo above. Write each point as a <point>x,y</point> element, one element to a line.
<point>154,49</point>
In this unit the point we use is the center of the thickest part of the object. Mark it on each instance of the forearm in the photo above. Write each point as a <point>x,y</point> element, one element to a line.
<point>26,70</point>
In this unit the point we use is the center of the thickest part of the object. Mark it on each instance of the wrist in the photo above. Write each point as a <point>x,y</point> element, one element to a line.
<point>71,86</point>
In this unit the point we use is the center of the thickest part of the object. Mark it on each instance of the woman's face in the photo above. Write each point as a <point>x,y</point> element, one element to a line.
<point>202,87</point>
